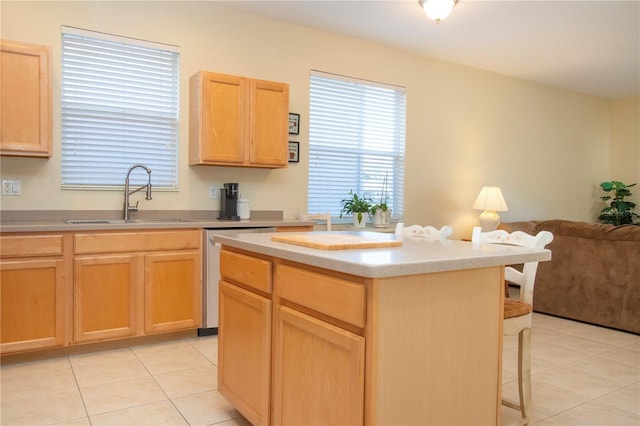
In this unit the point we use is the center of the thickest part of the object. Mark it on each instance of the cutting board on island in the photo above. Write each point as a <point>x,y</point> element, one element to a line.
<point>339,240</point>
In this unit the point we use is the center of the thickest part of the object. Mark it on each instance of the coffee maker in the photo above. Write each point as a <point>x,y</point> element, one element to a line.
<point>229,202</point>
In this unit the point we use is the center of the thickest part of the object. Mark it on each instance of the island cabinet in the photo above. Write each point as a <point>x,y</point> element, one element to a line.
<point>136,283</point>
<point>244,334</point>
<point>319,348</point>
<point>300,344</point>
<point>238,121</point>
<point>25,89</point>
<point>34,291</point>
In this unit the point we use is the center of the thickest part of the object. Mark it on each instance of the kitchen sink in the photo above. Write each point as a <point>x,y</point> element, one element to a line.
<point>121,221</point>
<point>94,221</point>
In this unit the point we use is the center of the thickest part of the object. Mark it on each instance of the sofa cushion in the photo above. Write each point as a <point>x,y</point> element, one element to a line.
<point>595,231</point>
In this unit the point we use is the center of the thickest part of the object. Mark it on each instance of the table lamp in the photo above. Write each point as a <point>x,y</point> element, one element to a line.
<point>491,201</point>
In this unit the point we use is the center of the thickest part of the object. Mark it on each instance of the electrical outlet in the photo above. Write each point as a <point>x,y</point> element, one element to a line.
<point>213,192</point>
<point>10,187</point>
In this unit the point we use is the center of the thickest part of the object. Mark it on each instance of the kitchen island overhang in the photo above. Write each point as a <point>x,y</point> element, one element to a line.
<point>419,327</point>
<point>416,255</point>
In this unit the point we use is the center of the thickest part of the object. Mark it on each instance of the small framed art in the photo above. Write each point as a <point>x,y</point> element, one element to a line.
<point>294,152</point>
<point>294,124</point>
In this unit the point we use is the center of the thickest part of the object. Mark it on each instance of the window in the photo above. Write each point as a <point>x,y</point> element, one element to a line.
<point>119,108</point>
<point>356,140</point>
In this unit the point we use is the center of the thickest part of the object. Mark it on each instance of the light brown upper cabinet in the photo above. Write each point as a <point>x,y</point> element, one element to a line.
<point>238,121</point>
<point>25,109</point>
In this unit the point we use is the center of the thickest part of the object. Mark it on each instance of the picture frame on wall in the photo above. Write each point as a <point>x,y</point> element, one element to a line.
<point>294,152</point>
<point>294,123</point>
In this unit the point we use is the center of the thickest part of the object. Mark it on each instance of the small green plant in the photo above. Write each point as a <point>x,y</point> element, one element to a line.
<point>619,211</point>
<point>382,205</point>
<point>355,205</point>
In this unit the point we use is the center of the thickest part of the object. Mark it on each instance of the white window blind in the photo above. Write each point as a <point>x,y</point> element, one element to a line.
<point>356,139</point>
<point>119,108</point>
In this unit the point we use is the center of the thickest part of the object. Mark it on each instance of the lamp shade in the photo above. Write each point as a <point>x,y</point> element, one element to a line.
<point>437,9</point>
<point>490,198</point>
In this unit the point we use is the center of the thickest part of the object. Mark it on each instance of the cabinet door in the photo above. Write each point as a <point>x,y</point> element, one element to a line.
<point>173,291</point>
<point>269,123</point>
<point>33,309</point>
<point>106,297</point>
<point>244,351</point>
<point>218,119</point>
<point>318,372</point>
<point>25,107</point>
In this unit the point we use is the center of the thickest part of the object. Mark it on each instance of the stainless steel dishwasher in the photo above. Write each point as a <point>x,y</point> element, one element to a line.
<point>211,275</point>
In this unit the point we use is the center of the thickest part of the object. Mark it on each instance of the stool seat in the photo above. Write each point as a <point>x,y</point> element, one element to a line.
<point>516,308</point>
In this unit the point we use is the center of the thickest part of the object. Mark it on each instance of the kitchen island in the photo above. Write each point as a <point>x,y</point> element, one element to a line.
<point>398,335</point>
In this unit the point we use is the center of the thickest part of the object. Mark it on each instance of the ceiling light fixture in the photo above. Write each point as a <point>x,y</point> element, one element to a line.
<point>437,9</point>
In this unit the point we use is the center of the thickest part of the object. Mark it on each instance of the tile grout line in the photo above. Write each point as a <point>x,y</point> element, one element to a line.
<point>158,384</point>
<point>75,379</point>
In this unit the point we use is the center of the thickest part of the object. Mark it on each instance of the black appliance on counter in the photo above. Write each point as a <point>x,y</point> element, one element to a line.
<point>229,202</point>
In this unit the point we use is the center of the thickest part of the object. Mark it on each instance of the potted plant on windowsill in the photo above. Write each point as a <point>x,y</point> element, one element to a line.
<point>356,206</point>
<point>381,212</point>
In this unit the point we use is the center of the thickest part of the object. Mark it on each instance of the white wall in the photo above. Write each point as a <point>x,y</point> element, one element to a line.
<point>546,148</point>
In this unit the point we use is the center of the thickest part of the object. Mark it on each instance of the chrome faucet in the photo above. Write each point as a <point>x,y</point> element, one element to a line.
<point>127,207</point>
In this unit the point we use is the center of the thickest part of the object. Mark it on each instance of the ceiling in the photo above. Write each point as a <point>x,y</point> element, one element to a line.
<point>588,46</point>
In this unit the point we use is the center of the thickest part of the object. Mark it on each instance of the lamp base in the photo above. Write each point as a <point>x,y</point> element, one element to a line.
<point>489,221</point>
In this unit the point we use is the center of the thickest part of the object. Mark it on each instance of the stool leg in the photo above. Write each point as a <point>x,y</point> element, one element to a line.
<point>524,375</point>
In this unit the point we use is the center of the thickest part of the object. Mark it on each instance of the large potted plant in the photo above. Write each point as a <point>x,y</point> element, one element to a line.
<point>356,206</point>
<point>619,211</point>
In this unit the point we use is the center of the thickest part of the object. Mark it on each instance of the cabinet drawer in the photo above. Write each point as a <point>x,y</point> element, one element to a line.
<point>251,271</point>
<point>338,298</point>
<point>119,242</point>
<point>31,245</point>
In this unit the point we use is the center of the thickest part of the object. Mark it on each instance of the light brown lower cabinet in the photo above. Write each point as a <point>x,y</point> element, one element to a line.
<point>33,307</point>
<point>33,292</point>
<point>244,349</point>
<point>106,297</point>
<point>149,287</point>
<point>172,291</point>
<point>316,361</point>
<point>61,289</point>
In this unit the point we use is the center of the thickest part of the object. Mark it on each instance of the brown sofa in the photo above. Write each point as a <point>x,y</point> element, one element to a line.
<point>594,273</point>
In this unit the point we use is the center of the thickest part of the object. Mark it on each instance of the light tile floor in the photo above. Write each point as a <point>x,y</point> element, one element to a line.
<point>582,375</point>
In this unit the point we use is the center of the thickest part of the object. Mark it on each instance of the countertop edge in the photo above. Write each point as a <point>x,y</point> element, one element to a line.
<point>61,226</point>
<point>315,257</point>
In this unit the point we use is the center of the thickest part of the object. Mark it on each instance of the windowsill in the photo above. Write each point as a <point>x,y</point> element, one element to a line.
<point>368,227</point>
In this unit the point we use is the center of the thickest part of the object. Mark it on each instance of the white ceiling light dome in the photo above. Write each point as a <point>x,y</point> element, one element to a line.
<point>437,9</point>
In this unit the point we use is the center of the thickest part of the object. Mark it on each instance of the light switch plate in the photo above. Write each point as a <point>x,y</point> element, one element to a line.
<point>213,192</point>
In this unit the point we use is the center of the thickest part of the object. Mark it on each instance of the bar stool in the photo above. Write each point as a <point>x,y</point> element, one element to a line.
<point>518,313</point>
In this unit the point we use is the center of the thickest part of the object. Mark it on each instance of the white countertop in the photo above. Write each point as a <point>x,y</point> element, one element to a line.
<point>416,255</point>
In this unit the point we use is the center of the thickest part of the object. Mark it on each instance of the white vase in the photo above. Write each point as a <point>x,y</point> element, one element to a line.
<point>362,222</point>
<point>382,219</point>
